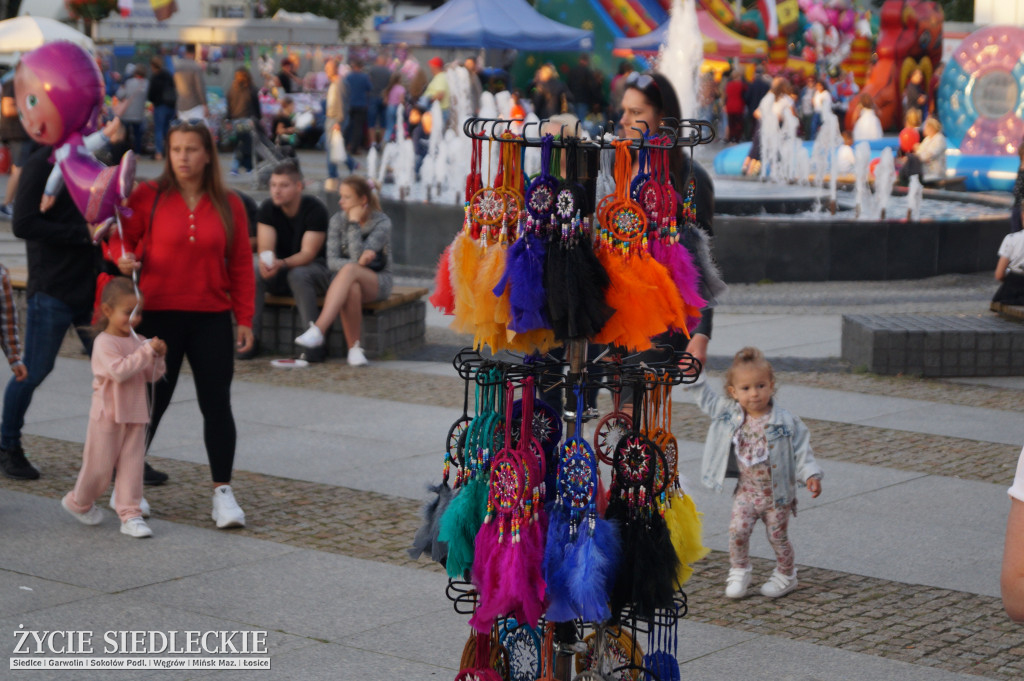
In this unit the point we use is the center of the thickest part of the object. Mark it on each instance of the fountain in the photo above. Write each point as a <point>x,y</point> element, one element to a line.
<point>781,228</point>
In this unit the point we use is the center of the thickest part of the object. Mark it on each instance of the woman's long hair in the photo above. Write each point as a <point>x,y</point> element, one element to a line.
<point>212,183</point>
<point>363,189</point>
<point>660,94</point>
<point>243,78</point>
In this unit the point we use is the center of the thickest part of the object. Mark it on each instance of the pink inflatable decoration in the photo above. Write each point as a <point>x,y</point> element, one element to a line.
<point>59,93</point>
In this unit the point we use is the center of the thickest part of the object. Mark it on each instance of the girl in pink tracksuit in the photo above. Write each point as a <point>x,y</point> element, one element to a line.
<point>122,364</point>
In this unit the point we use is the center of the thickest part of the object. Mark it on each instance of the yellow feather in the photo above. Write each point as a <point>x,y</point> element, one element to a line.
<point>685,531</point>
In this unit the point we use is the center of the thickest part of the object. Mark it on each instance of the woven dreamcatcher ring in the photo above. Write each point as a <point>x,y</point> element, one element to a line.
<point>455,443</point>
<point>487,206</point>
<point>666,442</point>
<point>547,426</point>
<point>636,462</point>
<point>652,200</point>
<point>610,431</point>
<point>662,469</point>
<point>524,649</point>
<point>540,197</point>
<point>569,201</point>
<point>626,221</point>
<point>605,653</point>
<point>508,483</point>
<point>603,205</point>
<point>577,475</point>
<point>513,204</point>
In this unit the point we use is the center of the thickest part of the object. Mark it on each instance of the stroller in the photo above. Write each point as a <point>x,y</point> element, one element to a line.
<point>268,154</point>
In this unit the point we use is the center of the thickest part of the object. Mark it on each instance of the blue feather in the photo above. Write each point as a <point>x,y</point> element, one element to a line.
<point>559,602</point>
<point>594,559</point>
<point>664,667</point>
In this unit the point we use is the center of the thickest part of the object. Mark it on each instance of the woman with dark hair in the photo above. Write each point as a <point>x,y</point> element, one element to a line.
<point>244,112</point>
<point>648,99</point>
<point>358,250</point>
<point>188,237</point>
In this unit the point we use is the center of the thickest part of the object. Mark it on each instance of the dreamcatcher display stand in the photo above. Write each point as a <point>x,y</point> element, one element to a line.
<point>672,369</point>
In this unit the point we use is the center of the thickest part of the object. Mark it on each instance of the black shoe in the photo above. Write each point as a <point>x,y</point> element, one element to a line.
<point>315,355</point>
<point>15,465</point>
<point>151,476</point>
<point>251,353</point>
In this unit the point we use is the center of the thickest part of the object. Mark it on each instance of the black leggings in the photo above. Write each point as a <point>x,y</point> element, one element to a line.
<point>206,339</point>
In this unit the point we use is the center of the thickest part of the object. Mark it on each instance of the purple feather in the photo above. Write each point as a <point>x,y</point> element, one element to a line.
<point>525,271</point>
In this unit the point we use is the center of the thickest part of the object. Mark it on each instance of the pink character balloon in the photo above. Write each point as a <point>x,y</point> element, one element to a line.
<point>59,93</point>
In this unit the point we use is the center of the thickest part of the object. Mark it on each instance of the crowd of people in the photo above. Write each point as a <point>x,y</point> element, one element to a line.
<point>190,241</point>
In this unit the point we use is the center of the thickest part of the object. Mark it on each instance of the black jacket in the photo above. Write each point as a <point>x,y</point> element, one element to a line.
<point>162,90</point>
<point>62,261</point>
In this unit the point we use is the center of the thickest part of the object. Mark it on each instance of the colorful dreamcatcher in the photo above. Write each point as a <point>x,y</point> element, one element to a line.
<point>583,549</point>
<point>647,579</point>
<point>509,547</point>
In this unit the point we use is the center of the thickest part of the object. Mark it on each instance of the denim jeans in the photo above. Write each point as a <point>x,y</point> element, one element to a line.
<point>162,116</point>
<point>243,151</point>
<point>390,118</point>
<point>47,321</point>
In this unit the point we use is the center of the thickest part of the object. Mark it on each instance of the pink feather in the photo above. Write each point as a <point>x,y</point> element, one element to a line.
<point>679,263</point>
<point>531,585</point>
<point>486,577</point>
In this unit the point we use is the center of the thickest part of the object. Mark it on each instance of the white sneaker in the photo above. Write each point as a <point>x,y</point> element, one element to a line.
<point>356,356</point>
<point>778,584</point>
<point>143,505</point>
<point>737,582</point>
<point>94,516</point>
<point>136,527</point>
<point>226,511</point>
<point>312,338</point>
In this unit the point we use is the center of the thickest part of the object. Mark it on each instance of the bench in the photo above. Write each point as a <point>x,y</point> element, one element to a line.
<point>1014,313</point>
<point>391,326</point>
<point>934,345</point>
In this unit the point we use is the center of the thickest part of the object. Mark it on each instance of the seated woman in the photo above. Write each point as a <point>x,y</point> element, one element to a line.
<point>929,157</point>
<point>358,249</point>
<point>283,125</point>
<point>1010,270</point>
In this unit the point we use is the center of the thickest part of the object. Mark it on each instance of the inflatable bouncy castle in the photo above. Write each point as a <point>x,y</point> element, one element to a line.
<point>910,37</point>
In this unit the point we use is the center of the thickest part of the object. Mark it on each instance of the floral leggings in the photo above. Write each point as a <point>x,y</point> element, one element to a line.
<point>752,501</point>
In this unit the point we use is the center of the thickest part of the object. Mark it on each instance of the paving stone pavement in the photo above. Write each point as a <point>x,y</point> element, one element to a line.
<point>927,626</point>
<point>933,627</point>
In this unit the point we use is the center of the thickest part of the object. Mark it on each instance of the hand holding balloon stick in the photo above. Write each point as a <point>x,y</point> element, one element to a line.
<point>59,93</point>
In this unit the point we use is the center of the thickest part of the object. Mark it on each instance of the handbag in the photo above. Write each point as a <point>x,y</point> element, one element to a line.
<point>336,147</point>
<point>379,262</point>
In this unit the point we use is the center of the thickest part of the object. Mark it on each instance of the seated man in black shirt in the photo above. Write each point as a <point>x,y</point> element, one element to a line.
<point>290,235</point>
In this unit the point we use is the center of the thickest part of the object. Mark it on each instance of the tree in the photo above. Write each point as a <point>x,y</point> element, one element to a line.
<point>9,8</point>
<point>958,10</point>
<point>349,13</point>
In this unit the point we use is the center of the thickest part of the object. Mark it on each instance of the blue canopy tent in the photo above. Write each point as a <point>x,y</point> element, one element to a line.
<point>491,24</point>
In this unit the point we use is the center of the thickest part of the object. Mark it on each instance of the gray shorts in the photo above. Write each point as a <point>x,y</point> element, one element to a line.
<point>20,151</point>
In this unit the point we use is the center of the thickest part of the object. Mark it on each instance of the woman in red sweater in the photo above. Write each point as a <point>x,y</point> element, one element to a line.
<point>189,240</point>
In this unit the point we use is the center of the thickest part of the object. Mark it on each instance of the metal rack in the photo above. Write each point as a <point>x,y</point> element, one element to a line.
<point>668,367</point>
